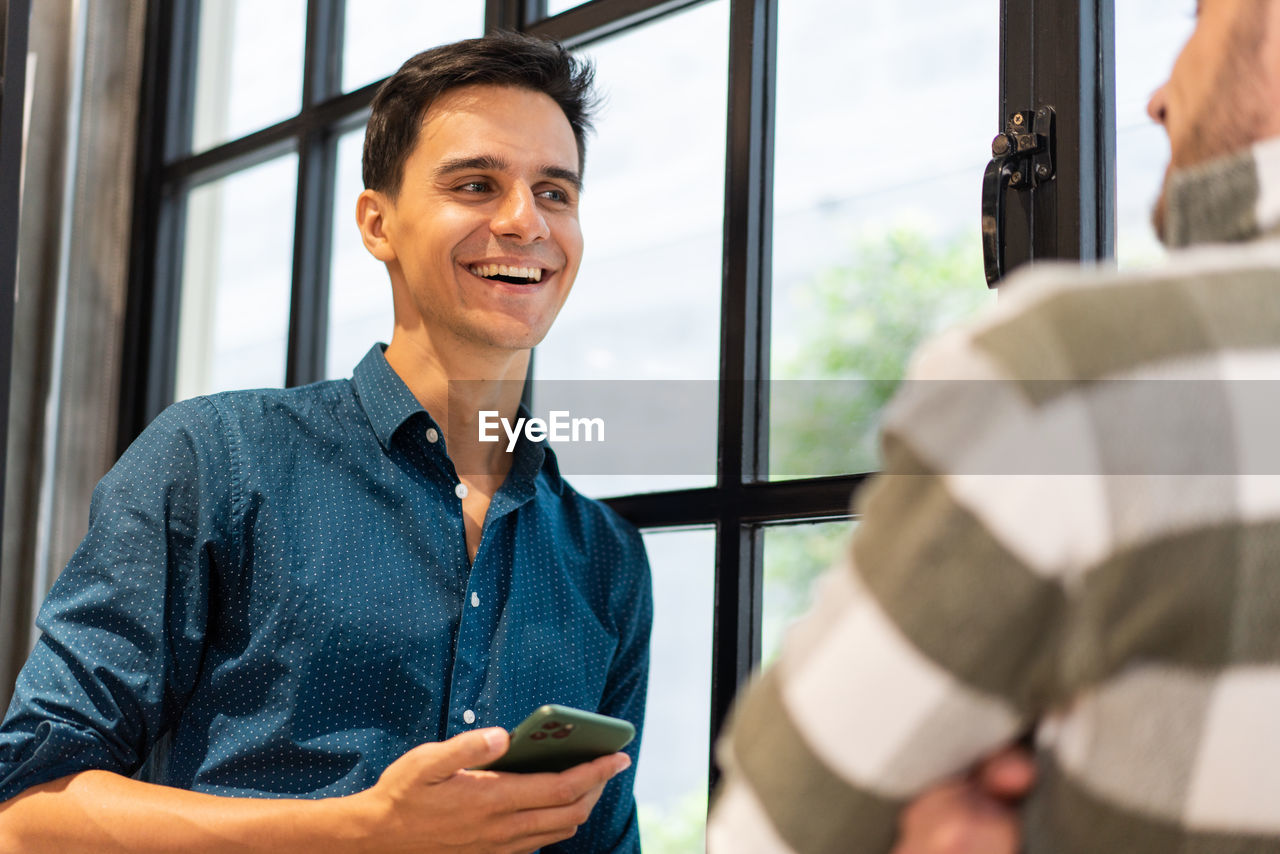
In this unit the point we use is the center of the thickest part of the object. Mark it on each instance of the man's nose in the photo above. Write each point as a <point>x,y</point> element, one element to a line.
<point>518,217</point>
<point>1157,105</point>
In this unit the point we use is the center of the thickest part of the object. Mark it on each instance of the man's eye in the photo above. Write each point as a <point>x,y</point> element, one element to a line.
<point>474,187</point>
<point>555,195</point>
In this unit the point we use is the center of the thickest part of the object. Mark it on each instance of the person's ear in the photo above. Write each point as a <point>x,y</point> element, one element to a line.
<point>372,209</point>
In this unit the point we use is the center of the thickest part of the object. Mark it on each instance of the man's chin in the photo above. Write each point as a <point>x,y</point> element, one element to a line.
<point>1158,214</point>
<point>514,336</point>
<point>1160,210</point>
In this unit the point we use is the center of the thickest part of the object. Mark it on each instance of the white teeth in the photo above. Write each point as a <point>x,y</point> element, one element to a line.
<point>533,274</point>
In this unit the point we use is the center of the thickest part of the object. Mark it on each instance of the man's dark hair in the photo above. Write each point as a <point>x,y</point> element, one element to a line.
<point>498,59</point>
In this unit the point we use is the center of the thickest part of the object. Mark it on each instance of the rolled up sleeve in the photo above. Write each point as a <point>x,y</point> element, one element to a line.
<point>123,628</point>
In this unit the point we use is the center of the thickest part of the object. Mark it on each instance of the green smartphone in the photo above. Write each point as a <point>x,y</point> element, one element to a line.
<point>554,738</point>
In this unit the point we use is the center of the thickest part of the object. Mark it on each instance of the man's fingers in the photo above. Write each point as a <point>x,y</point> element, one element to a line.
<point>594,774</point>
<point>439,761</point>
<point>1008,774</point>
<point>600,771</point>
<point>553,819</point>
<point>535,828</point>
<point>539,791</point>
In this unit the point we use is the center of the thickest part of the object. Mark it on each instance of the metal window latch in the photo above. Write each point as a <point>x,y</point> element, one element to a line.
<point>1021,158</point>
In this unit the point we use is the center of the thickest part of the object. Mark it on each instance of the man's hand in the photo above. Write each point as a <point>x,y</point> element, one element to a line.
<point>426,801</point>
<point>977,815</point>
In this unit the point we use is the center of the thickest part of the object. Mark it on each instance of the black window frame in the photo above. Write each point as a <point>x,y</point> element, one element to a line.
<point>15,22</point>
<point>1052,52</point>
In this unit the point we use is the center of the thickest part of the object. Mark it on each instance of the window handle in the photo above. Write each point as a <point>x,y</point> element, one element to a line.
<point>1021,158</point>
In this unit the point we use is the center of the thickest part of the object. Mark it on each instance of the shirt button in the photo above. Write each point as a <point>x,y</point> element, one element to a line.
<point>469,717</point>
<point>460,490</point>
<point>475,600</point>
<point>433,435</point>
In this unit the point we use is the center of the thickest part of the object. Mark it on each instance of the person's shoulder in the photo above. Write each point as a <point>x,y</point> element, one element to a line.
<point>1062,320</point>
<point>221,422</point>
<point>301,397</point>
<point>1053,283</point>
<point>263,408</point>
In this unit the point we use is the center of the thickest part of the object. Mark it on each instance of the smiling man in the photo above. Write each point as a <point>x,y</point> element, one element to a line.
<point>479,231</point>
<point>300,615</point>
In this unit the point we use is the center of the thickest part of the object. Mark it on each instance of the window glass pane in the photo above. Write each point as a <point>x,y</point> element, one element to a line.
<point>359,290</point>
<point>876,227</point>
<point>646,303</point>
<point>248,67</point>
<point>381,34</point>
<point>671,781</point>
<point>1149,34</point>
<point>555,7</point>
<point>237,265</point>
<point>794,557</point>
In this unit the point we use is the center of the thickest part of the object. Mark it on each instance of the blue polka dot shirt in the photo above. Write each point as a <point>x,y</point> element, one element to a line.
<point>274,599</point>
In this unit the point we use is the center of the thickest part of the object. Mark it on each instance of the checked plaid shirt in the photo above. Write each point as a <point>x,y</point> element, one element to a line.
<point>1077,533</point>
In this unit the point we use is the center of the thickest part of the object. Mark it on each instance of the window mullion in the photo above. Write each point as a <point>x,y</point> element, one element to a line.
<point>312,236</point>
<point>744,345</point>
<point>507,14</point>
<point>308,307</point>
<point>165,122</point>
<point>322,71</point>
<point>14,23</point>
<point>1060,53</point>
<point>179,101</point>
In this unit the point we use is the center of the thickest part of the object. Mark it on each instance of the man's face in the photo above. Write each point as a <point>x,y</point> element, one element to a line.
<point>1220,97</point>
<point>482,241</point>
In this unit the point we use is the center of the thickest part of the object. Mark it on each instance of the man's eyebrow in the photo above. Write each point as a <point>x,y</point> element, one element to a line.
<point>489,163</point>
<point>483,163</point>
<point>567,175</point>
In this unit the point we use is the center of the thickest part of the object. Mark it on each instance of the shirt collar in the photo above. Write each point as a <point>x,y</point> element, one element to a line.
<point>532,458</point>
<point>551,467</point>
<point>1232,198</point>
<point>386,400</point>
<point>388,404</point>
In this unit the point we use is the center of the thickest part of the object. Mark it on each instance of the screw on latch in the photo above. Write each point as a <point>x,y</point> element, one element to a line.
<point>1015,178</point>
<point>1017,118</point>
<point>1042,171</point>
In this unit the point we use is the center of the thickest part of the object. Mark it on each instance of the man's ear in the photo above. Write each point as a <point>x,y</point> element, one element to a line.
<point>372,208</point>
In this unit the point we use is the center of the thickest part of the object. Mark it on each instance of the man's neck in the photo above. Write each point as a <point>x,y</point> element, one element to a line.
<point>455,385</point>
